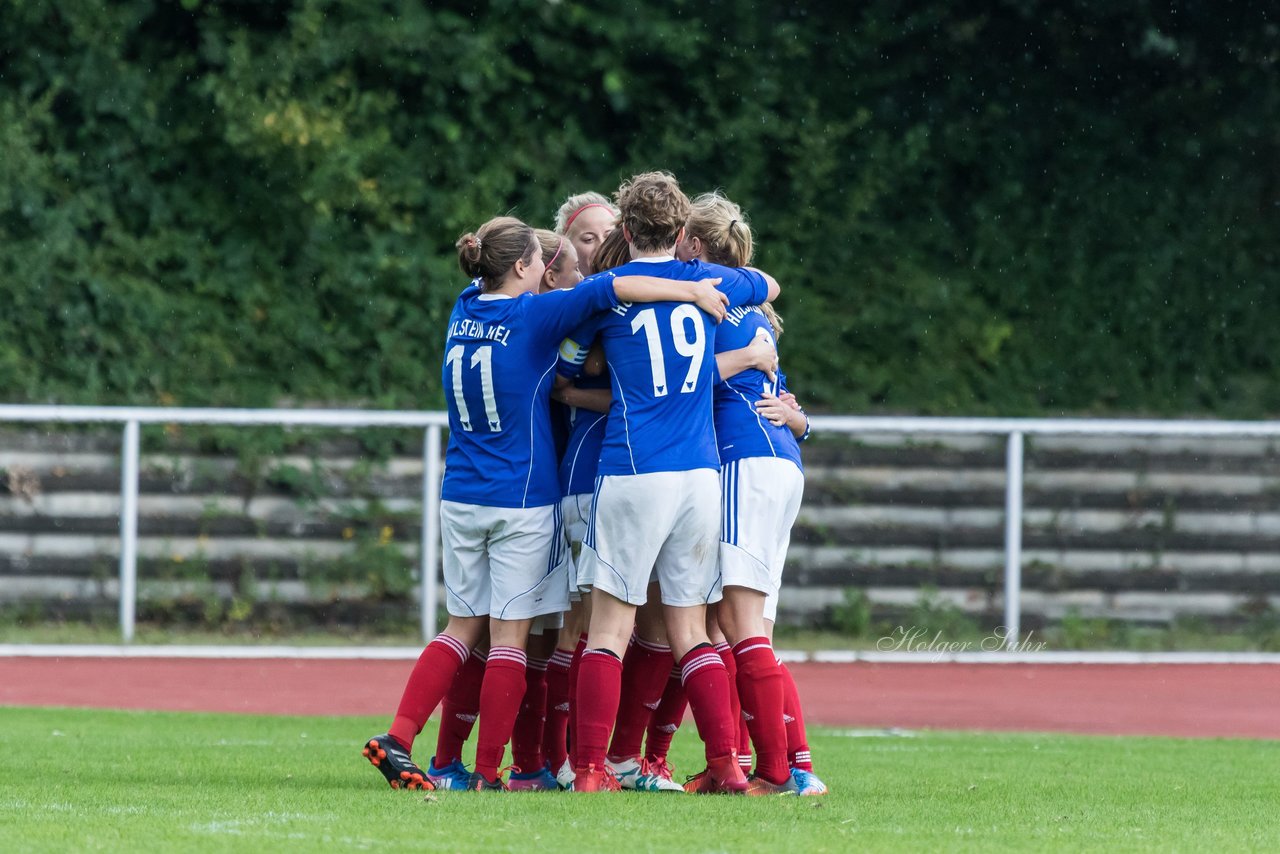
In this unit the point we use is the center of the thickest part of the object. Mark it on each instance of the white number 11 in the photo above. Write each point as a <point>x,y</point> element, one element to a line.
<point>482,358</point>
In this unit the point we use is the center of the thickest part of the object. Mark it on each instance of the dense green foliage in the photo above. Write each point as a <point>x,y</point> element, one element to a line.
<point>198,782</point>
<point>1013,206</point>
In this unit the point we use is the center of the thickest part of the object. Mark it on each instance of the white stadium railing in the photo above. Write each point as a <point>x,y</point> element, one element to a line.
<point>434,423</point>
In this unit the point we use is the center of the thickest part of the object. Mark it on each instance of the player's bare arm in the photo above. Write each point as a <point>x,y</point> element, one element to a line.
<point>591,399</point>
<point>701,293</point>
<point>774,287</point>
<point>759,354</point>
<point>778,413</point>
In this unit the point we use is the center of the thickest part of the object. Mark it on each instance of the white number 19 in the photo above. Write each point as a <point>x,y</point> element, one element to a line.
<point>692,350</point>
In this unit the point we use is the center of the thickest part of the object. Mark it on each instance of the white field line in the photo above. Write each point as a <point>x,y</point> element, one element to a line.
<point>410,653</point>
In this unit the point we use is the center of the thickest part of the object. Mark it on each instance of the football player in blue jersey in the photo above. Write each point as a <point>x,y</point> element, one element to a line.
<point>504,552</point>
<point>655,504</point>
<point>762,482</point>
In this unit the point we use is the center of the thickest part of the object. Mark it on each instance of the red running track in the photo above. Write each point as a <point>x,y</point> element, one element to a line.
<point>1195,700</point>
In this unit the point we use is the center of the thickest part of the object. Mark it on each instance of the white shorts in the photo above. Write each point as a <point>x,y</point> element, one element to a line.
<point>576,510</point>
<point>665,523</point>
<point>507,562</point>
<point>759,503</point>
<point>546,623</point>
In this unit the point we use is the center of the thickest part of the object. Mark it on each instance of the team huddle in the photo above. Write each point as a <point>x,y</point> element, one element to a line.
<point>622,474</point>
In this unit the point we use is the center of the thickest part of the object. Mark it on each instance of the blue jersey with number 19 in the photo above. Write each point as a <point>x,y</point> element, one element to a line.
<point>500,355</point>
<point>661,359</point>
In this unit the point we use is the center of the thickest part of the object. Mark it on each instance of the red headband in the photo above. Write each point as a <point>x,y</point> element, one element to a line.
<point>574,216</point>
<point>552,262</point>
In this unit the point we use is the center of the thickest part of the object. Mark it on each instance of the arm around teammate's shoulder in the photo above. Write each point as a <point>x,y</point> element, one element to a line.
<point>702,293</point>
<point>770,282</point>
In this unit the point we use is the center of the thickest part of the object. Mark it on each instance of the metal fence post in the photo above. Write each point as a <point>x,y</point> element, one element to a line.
<point>1013,539</point>
<point>129,531</point>
<point>430,530</point>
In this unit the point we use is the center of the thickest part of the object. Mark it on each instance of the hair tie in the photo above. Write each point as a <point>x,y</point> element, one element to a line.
<point>477,242</point>
<point>552,262</point>
<point>574,215</point>
<point>732,223</point>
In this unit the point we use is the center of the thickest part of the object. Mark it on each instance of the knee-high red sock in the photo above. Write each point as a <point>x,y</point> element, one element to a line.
<point>574,666</point>
<point>793,717</point>
<point>460,710</point>
<point>735,704</point>
<point>599,687</point>
<point>760,689</point>
<point>500,696</point>
<point>744,738</point>
<point>526,736</point>
<point>554,746</point>
<point>706,681</point>
<point>428,682</point>
<point>666,718</point>
<point>644,674</point>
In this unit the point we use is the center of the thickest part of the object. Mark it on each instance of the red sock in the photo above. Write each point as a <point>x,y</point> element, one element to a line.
<point>428,682</point>
<point>666,719</point>
<point>500,697</point>
<point>574,666</point>
<point>644,674</point>
<point>599,687</point>
<point>793,717</point>
<point>554,746</point>
<point>760,688</point>
<point>526,736</point>
<point>735,704</point>
<point>744,738</point>
<point>707,683</point>
<point>461,708</point>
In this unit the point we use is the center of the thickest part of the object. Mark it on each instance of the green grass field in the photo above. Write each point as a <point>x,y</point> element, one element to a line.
<point>77,780</point>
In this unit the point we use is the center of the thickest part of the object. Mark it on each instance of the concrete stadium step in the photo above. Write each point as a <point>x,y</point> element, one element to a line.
<point>1140,528</point>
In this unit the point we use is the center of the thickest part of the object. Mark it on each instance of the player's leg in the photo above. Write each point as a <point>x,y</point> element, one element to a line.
<point>629,524</point>
<point>458,716</point>
<point>725,651</point>
<point>531,772</point>
<point>576,511</point>
<point>645,668</point>
<point>706,682</point>
<point>599,688</point>
<point>760,682</point>
<point>555,730</point>
<point>575,667</point>
<point>466,572</point>
<point>527,556</point>
<point>798,755</point>
<point>762,499</point>
<point>689,576</point>
<point>663,725</point>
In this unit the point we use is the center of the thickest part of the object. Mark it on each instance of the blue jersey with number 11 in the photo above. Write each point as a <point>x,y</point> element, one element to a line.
<point>661,359</point>
<point>499,363</point>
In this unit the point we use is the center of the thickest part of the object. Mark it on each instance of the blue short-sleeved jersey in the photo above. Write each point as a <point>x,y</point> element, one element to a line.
<point>582,454</point>
<point>740,430</point>
<point>500,358</point>
<point>661,358</point>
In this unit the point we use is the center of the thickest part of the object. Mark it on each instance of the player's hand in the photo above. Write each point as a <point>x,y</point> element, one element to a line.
<point>773,410</point>
<point>790,400</point>
<point>710,300</point>
<point>764,356</point>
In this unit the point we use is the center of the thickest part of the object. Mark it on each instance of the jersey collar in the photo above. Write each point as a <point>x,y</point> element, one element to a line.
<point>658,260</point>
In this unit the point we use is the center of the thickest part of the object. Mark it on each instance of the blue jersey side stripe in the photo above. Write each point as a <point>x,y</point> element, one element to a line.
<point>533,407</point>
